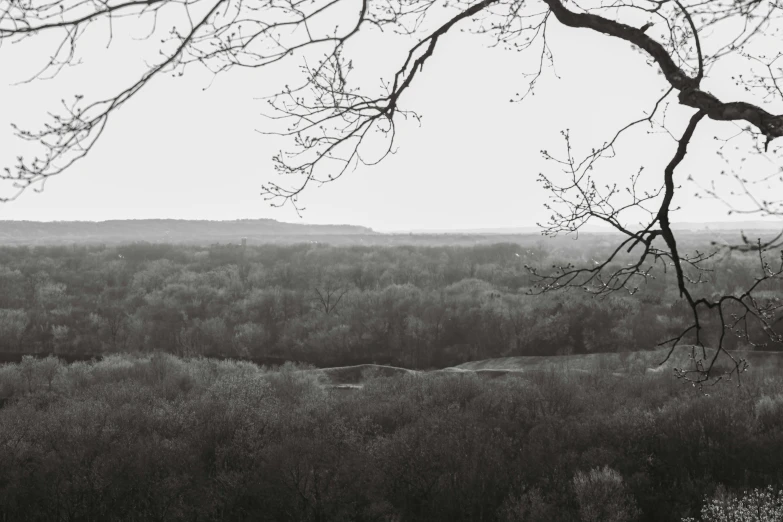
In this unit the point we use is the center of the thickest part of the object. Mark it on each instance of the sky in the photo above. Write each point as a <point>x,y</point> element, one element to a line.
<point>180,151</point>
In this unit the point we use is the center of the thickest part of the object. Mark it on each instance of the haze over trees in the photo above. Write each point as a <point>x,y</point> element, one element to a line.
<point>717,62</point>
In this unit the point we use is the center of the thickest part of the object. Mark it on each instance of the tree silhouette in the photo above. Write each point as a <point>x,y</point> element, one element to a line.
<point>331,118</point>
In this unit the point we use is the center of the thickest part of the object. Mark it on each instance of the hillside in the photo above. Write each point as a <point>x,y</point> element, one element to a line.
<point>168,231</point>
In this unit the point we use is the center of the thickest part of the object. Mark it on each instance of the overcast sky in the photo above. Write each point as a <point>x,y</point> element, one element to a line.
<point>177,151</point>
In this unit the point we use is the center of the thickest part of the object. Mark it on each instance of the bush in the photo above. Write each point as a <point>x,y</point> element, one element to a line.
<point>602,496</point>
<point>769,412</point>
<point>756,506</point>
<point>527,507</point>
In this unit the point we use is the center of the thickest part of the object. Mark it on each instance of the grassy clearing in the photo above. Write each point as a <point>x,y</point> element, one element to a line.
<point>357,374</point>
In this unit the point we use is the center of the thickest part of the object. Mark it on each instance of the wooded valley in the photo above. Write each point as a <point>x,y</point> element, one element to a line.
<point>411,306</point>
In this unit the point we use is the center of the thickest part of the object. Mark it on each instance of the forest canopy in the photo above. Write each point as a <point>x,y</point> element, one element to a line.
<point>413,306</point>
<point>157,437</point>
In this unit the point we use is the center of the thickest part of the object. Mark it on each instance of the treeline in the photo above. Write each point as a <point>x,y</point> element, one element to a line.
<point>417,307</point>
<point>144,438</point>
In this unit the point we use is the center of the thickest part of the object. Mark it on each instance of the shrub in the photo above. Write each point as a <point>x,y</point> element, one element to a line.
<point>769,411</point>
<point>527,507</point>
<point>602,496</point>
<point>755,506</point>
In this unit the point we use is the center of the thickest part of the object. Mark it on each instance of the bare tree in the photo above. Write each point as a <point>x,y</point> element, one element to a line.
<point>328,296</point>
<point>335,123</point>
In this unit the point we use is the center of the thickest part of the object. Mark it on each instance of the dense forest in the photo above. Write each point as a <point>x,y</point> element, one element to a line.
<point>412,306</point>
<point>156,437</point>
<point>166,422</point>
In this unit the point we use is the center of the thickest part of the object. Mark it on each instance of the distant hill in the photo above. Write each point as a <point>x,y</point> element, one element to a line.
<point>774,226</point>
<point>261,231</point>
<point>168,231</point>
<point>715,226</point>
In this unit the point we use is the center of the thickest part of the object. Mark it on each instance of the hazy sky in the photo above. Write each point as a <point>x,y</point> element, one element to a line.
<point>177,151</point>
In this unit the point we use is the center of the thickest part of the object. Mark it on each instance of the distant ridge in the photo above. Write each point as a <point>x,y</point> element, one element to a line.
<point>730,225</point>
<point>716,226</point>
<point>263,231</point>
<point>166,230</point>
